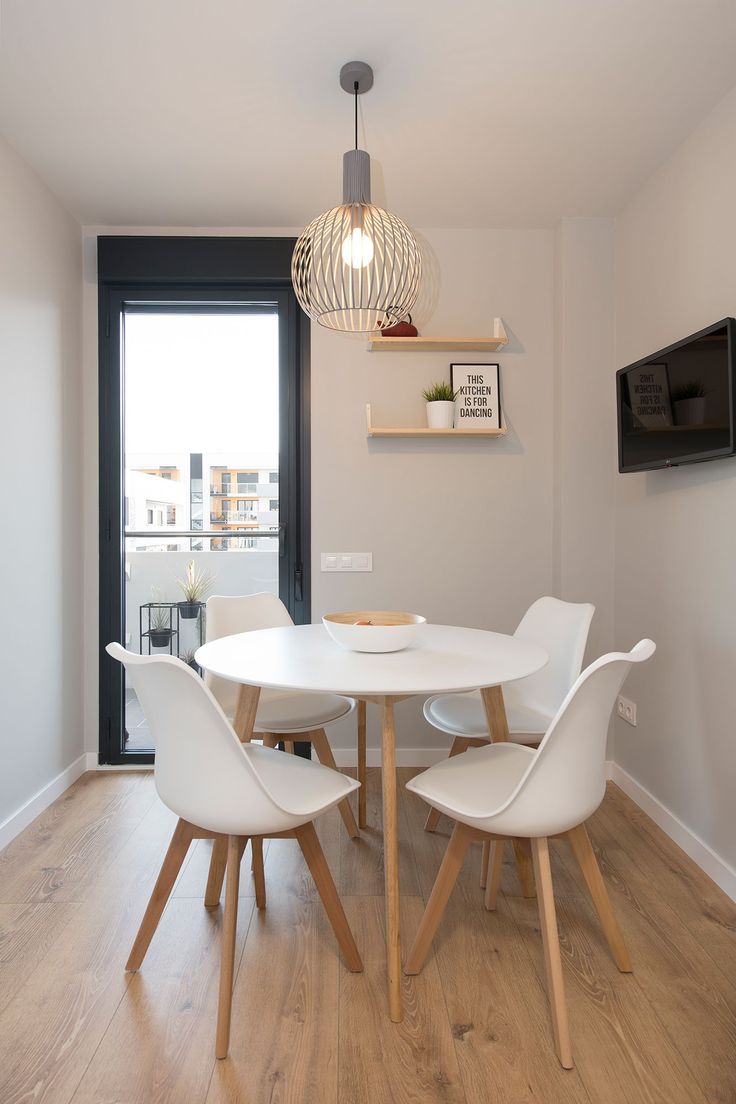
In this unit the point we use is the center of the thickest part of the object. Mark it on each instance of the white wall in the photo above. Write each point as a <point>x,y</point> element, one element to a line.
<point>676,530</point>
<point>40,460</point>
<point>585,455</point>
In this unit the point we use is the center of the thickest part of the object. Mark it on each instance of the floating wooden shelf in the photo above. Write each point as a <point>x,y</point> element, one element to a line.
<point>378,344</point>
<point>423,431</point>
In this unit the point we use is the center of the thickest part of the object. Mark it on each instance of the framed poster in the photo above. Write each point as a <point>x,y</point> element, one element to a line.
<point>649,396</point>
<point>478,401</point>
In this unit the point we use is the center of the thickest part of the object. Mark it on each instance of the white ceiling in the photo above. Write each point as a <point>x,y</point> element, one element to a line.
<point>225,113</point>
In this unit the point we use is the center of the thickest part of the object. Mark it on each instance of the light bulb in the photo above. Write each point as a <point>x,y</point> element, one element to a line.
<point>357,249</point>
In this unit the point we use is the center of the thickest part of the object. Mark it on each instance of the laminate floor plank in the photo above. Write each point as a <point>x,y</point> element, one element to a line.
<point>26,934</point>
<point>701,905</point>
<point>283,1038</point>
<point>67,846</point>
<point>51,1028</point>
<point>160,1045</point>
<point>380,1062</point>
<point>618,1041</point>
<point>678,977</point>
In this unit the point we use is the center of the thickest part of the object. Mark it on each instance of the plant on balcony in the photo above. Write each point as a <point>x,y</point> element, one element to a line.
<point>159,623</point>
<point>188,658</point>
<point>195,585</point>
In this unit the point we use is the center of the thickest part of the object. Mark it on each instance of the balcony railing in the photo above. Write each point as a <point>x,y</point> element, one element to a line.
<point>243,490</point>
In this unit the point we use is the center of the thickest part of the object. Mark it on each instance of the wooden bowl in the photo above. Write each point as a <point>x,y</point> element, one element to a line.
<point>388,630</point>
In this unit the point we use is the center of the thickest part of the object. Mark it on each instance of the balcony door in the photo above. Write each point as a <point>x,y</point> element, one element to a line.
<point>203,464</point>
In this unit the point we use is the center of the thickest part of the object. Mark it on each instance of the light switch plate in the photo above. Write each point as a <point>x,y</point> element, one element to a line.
<point>346,561</point>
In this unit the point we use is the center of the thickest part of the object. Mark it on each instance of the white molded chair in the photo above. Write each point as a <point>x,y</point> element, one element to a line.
<point>286,715</point>
<point>508,790</point>
<point>561,628</point>
<point>224,790</point>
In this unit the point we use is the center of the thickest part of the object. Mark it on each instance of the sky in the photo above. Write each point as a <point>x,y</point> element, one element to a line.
<point>201,383</point>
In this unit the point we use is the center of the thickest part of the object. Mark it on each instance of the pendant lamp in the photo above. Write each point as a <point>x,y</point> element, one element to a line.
<point>356,268</point>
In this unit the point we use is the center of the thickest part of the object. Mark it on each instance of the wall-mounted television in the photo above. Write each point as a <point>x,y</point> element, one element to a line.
<point>677,406</point>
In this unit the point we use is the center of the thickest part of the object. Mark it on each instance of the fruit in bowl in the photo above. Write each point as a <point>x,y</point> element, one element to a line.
<point>373,630</point>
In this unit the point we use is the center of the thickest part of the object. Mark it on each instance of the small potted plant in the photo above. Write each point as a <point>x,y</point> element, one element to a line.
<point>440,399</point>
<point>688,403</point>
<point>188,658</point>
<point>159,626</point>
<point>194,586</point>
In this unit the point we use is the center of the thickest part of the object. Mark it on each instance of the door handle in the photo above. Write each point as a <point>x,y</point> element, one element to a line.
<point>282,539</point>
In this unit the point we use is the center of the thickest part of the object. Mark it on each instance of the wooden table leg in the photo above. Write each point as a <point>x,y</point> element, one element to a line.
<point>498,726</point>
<point>361,763</point>
<point>391,859</point>
<point>245,712</point>
<point>245,718</point>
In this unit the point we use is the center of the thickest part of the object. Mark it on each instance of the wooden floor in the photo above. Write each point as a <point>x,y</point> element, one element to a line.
<point>75,1027</point>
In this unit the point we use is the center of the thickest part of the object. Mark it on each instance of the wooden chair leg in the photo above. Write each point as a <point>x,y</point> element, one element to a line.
<point>459,744</point>
<point>485,858</point>
<point>182,837</point>
<point>289,746</point>
<point>552,959</point>
<point>321,745</point>
<point>269,739</point>
<point>256,845</point>
<point>320,871</point>
<point>494,877</point>
<point>362,764</point>
<point>440,895</point>
<point>216,875</point>
<point>583,852</point>
<point>227,963</point>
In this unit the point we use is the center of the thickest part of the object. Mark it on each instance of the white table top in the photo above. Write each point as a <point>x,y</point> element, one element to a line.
<point>443,659</point>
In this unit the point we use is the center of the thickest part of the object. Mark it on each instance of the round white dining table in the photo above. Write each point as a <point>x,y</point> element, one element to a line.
<point>442,659</point>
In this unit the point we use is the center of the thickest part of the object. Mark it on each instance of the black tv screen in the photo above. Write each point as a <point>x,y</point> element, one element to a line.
<point>677,406</point>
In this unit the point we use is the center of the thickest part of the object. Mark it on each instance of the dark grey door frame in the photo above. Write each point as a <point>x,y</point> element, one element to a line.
<point>187,274</point>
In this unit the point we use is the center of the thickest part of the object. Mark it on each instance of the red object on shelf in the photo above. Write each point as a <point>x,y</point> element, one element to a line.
<point>404,328</point>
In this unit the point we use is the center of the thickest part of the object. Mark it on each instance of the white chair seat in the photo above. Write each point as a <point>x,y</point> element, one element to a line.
<point>463,715</point>
<point>474,785</point>
<point>301,788</point>
<point>286,712</point>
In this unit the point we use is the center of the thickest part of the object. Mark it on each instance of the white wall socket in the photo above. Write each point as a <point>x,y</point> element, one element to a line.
<point>626,710</point>
<point>346,561</point>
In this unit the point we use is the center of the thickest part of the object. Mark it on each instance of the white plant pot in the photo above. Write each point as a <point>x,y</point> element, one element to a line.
<point>440,415</point>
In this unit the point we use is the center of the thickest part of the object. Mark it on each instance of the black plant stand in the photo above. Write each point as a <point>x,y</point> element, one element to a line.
<point>174,624</point>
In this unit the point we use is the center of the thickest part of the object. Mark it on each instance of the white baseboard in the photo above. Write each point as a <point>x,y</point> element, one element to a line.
<point>13,825</point>
<point>698,850</point>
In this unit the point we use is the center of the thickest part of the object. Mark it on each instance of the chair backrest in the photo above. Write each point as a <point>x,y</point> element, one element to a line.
<point>202,771</point>
<point>561,628</point>
<point>566,778</point>
<point>228,615</point>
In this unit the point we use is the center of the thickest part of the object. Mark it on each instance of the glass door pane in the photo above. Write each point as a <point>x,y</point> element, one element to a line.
<point>201,419</point>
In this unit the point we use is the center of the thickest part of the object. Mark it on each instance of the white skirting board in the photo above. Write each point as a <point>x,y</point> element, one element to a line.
<point>704,856</point>
<point>13,825</point>
<point>699,851</point>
